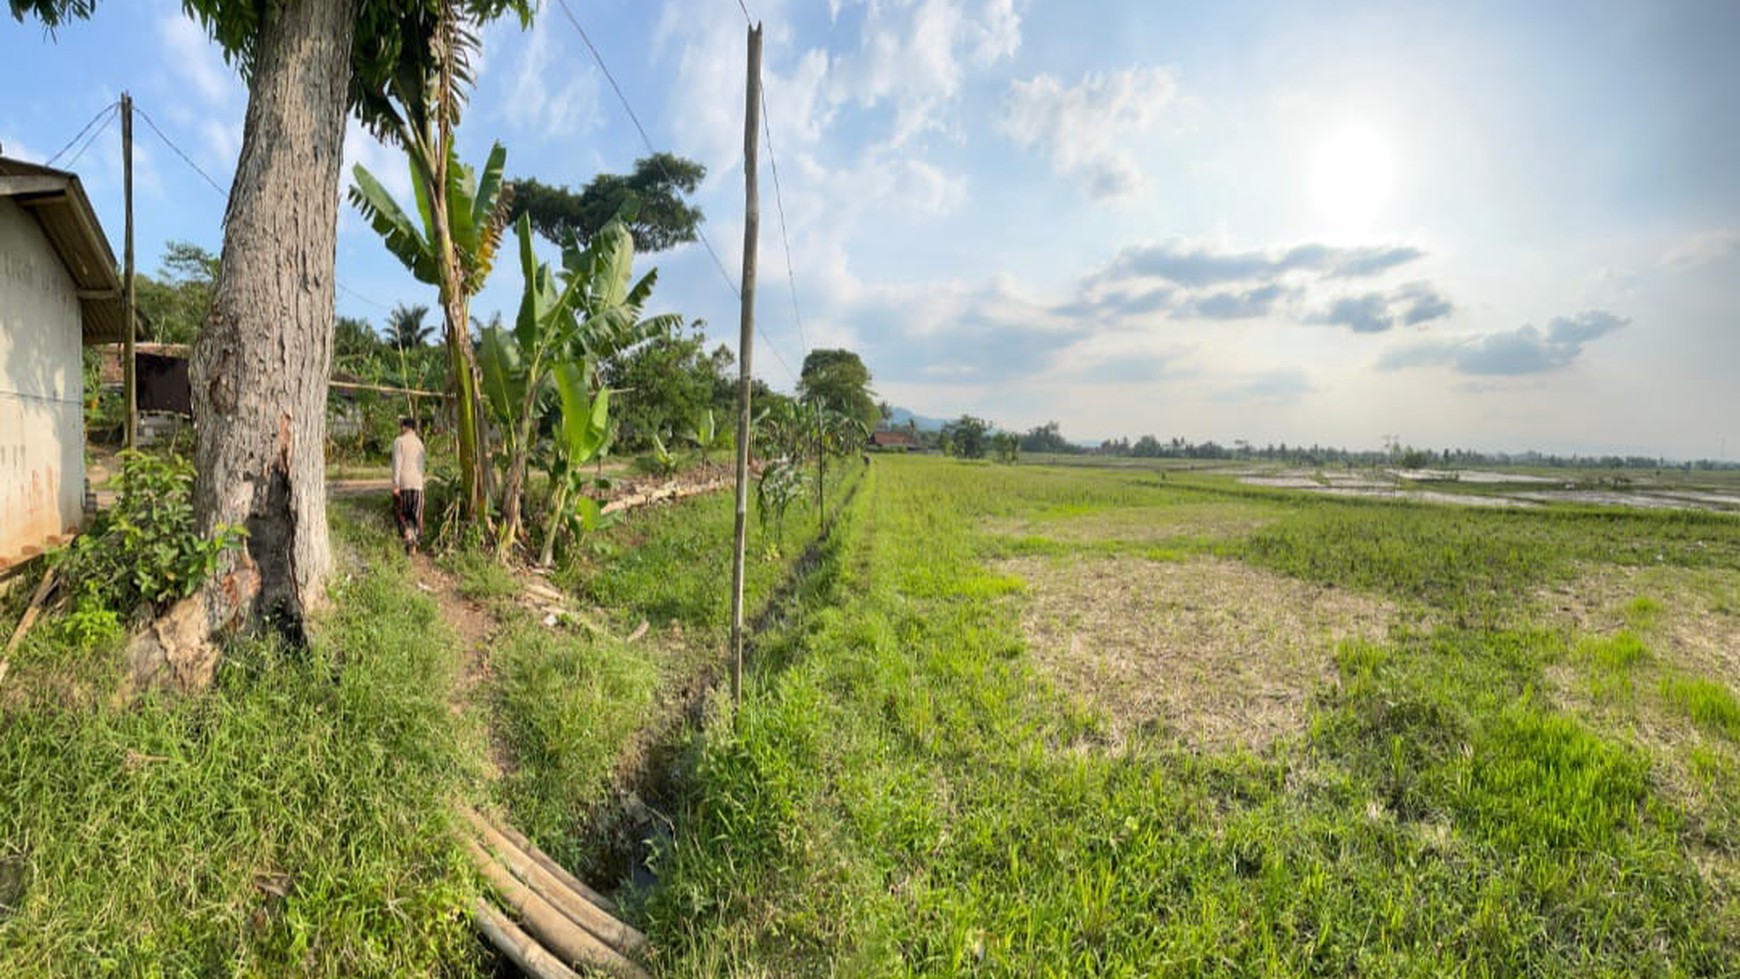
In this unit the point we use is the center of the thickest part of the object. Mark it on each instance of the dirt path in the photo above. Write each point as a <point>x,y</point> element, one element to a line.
<point>476,629</point>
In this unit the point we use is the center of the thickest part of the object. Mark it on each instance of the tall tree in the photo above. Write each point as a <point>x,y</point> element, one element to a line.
<point>260,367</point>
<point>841,382</point>
<point>175,304</point>
<point>659,185</point>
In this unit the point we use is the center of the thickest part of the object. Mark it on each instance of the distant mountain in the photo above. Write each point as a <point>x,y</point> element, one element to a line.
<point>900,416</point>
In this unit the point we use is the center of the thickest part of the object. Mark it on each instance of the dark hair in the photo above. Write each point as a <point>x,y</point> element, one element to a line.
<point>408,422</point>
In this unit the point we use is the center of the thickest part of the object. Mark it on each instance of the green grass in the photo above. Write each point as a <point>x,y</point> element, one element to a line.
<point>1710,704</point>
<point>294,820</point>
<point>903,794</point>
<point>565,705</point>
<point>481,577</point>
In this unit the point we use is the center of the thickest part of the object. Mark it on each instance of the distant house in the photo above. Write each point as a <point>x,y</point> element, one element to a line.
<point>59,292</point>
<point>894,441</point>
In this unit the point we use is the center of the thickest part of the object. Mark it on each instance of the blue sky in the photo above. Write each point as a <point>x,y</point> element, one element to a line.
<point>1493,225</point>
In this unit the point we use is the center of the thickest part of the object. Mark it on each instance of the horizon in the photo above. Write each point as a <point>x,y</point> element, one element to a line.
<point>1465,224</point>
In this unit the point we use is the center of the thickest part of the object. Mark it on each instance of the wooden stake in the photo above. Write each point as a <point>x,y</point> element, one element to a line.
<point>129,378</point>
<point>745,348</point>
<point>43,589</point>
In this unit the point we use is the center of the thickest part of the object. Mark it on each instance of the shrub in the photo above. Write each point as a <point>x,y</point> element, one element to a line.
<point>146,549</point>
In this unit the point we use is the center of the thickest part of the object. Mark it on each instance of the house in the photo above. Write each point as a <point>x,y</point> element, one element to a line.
<point>59,292</point>
<point>893,441</point>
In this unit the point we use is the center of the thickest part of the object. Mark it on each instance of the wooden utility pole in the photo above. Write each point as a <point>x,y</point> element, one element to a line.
<point>745,348</point>
<point>129,379</point>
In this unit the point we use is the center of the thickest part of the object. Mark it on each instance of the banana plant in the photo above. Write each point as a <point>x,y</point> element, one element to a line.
<point>583,434</point>
<point>779,430</point>
<point>781,485</point>
<point>574,317</point>
<point>454,250</point>
<point>705,433</point>
<point>663,458</point>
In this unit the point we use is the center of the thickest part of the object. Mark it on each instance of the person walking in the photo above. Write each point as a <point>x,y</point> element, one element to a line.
<point>408,458</point>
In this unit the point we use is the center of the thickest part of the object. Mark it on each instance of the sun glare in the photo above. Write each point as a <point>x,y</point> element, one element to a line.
<point>1351,178</point>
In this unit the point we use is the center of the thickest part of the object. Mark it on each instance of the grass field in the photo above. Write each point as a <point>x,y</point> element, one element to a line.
<point>1001,721</point>
<point>1050,722</point>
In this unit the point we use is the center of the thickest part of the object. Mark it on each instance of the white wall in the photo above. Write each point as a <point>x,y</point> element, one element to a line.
<point>42,436</point>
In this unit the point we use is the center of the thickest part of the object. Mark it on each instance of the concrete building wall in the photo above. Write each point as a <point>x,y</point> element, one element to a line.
<point>42,434</point>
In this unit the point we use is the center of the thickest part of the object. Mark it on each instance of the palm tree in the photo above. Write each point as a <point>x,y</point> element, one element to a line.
<point>406,329</point>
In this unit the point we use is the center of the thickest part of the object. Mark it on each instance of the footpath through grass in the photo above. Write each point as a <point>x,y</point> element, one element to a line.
<point>293,821</point>
<point>905,793</point>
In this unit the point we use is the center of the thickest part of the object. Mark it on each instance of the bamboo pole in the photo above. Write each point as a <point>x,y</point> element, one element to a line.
<point>31,611</point>
<point>745,349</point>
<point>129,368</point>
<point>546,885</point>
<point>549,925</point>
<point>522,948</point>
<point>517,839</point>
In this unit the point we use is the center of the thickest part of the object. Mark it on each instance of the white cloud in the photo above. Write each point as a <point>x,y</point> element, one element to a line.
<point>1509,353</point>
<point>534,103</point>
<point>1707,248</point>
<point>1085,130</point>
<point>193,57</point>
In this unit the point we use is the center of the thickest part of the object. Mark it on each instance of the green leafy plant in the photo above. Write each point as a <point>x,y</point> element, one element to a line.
<point>706,434</point>
<point>663,460</point>
<point>582,435</point>
<point>781,484</point>
<point>146,549</point>
<point>574,317</point>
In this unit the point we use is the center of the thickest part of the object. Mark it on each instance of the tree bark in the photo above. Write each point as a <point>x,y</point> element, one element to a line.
<point>259,369</point>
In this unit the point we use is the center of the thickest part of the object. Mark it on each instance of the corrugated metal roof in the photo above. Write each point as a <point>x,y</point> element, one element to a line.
<point>57,201</point>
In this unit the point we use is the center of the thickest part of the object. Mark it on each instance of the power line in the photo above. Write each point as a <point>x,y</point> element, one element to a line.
<point>184,157</point>
<point>784,237</point>
<point>359,296</point>
<point>225,194</point>
<point>647,141</point>
<point>100,130</point>
<point>102,114</point>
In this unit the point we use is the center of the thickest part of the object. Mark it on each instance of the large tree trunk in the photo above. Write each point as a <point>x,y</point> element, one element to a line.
<point>259,369</point>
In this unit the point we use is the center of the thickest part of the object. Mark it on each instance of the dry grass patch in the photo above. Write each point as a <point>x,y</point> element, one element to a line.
<point>1142,525</point>
<point>1215,652</point>
<point>1690,617</point>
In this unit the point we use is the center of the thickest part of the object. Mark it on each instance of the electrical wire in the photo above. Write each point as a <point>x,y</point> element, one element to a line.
<point>221,192</point>
<point>779,202</point>
<point>100,130</point>
<point>184,157</point>
<point>647,141</point>
<point>101,113</point>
